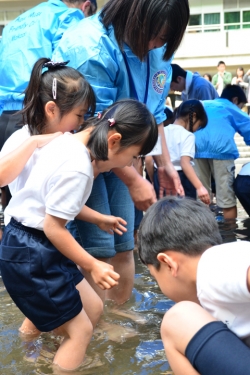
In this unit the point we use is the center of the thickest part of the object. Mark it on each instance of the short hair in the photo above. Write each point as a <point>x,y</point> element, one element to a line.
<point>232,91</point>
<point>139,21</point>
<point>177,224</point>
<point>177,71</point>
<point>221,62</point>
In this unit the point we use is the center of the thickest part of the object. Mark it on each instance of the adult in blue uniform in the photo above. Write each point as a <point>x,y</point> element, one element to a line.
<point>191,85</point>
<point>126,51</point>
<point>32,35</point>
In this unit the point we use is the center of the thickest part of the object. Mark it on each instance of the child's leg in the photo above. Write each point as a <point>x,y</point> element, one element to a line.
<point>177,329</point>
<point>77,335</point>
<point>92,303</point>
<point>28,328</point>
<point>224,172</point>
<point>196,343</point>
<point>123,264</point>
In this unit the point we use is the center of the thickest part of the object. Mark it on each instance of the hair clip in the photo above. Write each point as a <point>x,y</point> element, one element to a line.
<point>54,88</point>
<point>99,115</point>
<point>111,121</point>
<point>53,64</point>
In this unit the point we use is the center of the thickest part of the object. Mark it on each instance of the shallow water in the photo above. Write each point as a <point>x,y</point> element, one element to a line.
<point>127,340</point>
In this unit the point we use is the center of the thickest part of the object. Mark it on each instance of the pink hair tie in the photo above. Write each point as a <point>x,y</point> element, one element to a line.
<point>111,121</point>
<point>99,115</point>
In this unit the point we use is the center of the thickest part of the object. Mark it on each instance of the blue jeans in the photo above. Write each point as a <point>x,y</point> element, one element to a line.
<point>109,196</point>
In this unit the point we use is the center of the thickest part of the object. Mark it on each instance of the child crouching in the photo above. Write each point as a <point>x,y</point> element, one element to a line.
<point>207,332</point>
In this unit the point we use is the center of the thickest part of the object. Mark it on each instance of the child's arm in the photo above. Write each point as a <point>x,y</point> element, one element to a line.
<point>12,164</point>
<point>107,223</point>
<point>191,175</point>
<point>102,273</point>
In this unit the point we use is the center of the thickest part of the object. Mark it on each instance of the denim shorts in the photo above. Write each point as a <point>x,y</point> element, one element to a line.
<point>109,196</point>
<point>215,350</point>
<point>39,278</point>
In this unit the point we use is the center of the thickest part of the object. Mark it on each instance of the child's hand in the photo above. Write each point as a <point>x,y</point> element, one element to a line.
<point>203,195</point>
<point>112,224</point>
<point>104,275</point>
<point>42,140</point>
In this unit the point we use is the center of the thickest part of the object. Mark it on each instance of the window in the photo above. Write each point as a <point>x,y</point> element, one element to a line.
<point>231,20</point>
<point>246,19</point>
<point>195,20</point>
<point>212,19</point>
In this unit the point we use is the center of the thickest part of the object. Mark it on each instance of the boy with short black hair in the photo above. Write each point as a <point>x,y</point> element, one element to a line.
<point>208,331</point>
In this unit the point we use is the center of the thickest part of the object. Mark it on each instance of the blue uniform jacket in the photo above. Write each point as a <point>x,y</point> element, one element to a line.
<point>216,140</point>
<point>200,89</point>
<point>93,50</point>
<point>32,35</point>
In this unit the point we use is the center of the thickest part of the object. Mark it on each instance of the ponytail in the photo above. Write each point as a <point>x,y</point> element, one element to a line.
<point>131,119</point>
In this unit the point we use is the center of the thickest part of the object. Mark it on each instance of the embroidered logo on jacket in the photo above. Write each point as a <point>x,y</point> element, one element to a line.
<point>159,80</point>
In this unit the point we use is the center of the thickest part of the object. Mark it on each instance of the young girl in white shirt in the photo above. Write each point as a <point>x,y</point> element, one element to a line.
<point>38,255</point>
<point>190,116</point>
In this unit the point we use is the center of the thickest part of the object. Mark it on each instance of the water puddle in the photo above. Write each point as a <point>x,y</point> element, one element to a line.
<point>127,340</point>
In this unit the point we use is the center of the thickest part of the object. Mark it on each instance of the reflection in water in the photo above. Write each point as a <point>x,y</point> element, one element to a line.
<point>127,340</point>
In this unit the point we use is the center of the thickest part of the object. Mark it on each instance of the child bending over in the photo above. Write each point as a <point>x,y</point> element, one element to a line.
<point>38,256</point>
<point>190,116</point>
<point>208,331</point>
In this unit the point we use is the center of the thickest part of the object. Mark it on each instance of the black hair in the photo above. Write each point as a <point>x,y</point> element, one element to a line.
<point>178,224</point>
<point>232,91</point>
<point>209,76</point>
<point>221,62</point>
<point>188,108</point>
<point>71,90</point>
<point>170,116</point>
<point>131,119</point>
<point>177,71</point>
<point>139,21</point>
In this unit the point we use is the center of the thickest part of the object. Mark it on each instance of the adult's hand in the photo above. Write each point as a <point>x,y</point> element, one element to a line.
<point>141,190</point>
<point>169,181</point>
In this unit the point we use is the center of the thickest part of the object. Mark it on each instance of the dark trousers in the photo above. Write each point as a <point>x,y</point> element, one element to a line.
<point>242,191</point>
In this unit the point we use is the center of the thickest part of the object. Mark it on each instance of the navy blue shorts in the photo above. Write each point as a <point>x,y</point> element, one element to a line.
<point>39,278</point>
<point>215,350</point>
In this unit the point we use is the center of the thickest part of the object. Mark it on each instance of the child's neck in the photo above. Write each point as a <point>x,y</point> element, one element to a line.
<point>181,122</point>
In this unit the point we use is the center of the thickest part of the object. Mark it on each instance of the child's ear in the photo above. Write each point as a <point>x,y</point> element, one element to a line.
<point>50,109</point>
<point>168,261</point>
<point>114,140</point>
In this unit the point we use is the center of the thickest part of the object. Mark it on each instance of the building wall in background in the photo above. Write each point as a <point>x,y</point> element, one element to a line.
<point>217,30</point>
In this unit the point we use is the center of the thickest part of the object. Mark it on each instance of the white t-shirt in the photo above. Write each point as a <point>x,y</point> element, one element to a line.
<point>180,143</point>
<point>222,285</point>
<point>59,183</point>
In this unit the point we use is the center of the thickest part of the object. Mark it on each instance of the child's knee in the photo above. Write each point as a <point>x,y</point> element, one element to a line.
<point>182,322</point>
